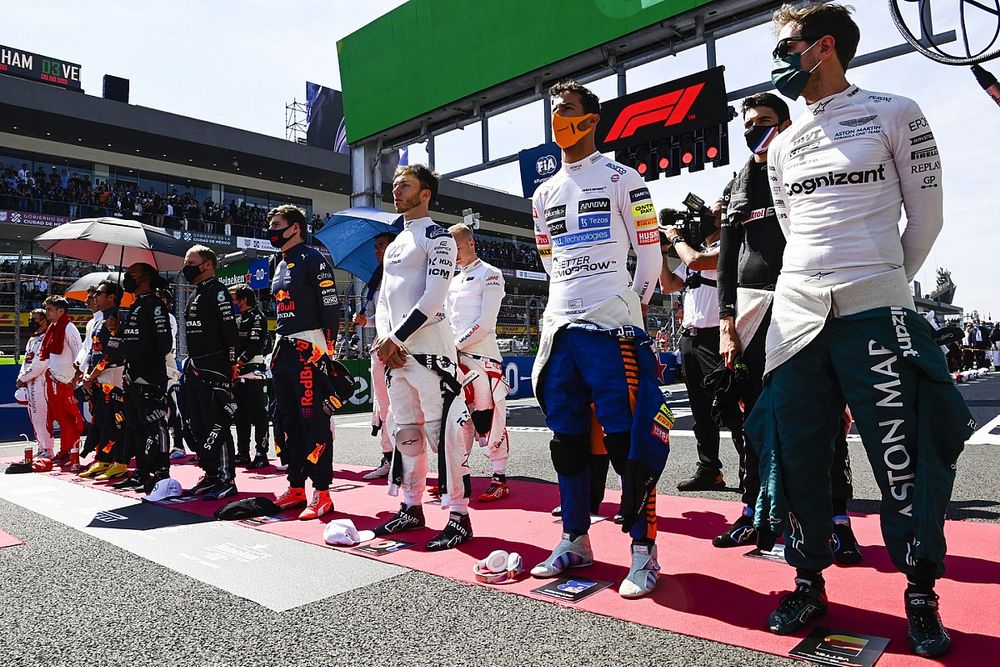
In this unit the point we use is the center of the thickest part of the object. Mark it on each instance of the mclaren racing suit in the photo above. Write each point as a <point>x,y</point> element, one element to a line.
<point>251,406</point>
<point>473,307</point>
<point>307,321</point>
<point>424,395</point>
<point>593,350</point>
<point>843,328</point>
<point>208,377</point>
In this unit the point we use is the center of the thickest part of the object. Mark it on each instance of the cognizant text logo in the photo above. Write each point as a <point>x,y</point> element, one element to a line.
<point>811,185</point>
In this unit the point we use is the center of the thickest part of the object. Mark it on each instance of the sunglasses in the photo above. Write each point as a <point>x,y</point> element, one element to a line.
<point>781,49</point>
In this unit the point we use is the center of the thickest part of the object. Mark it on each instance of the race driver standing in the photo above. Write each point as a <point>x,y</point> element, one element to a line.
<point>593,348</point>
<point>415,343</point>
<point>843,325</point>
<point>473,307</point>
<point>308,317</point>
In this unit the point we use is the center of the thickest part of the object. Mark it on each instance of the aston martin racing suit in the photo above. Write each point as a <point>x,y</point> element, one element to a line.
<point>425,407</point>
<point>587,217</point>
<point>844,328</point>
<point>473,307</point>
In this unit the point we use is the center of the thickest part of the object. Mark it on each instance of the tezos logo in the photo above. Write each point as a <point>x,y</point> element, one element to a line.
<point>546,165</point>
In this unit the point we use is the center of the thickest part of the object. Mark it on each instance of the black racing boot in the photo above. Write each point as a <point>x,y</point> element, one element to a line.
<point>407,518</point>
<point>259,461</point>
<point>740,534</point>
<point>845,547</point>
<point>928,637</point>
<point>456,531</point>
<point>204,485</point>
<point>805,603</point>
<point>703,480</point>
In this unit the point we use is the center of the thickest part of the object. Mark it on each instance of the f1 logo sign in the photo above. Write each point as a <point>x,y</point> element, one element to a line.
<point>669,109</point>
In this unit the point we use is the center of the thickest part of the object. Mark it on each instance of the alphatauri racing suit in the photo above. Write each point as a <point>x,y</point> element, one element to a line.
<point>473,307</point>
<point>587,217</point>
<point>425,407</point>
<point>843,327</point>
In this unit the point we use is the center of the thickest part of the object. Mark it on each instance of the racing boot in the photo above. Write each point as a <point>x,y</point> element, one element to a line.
<point>928,637</point>
<point>845,547</point>
<point>378,473</point>
<point>113,471</point>
<point>134,481</point>
<point>740,534</point>
<point>220,491</point>
<point>407,518</point>
<point>241,459</point>
<point>497,490</point>
<point>703,480</point>
<point>570,552</point>
<point>642,575</point>
<point>293,498</point>
<point>456,531</point>
<point>204,485</point>
<point>320,505</point>
<point>259,461</point>
<point>96,468</point>
<point>61,459</point>
<point>805,603</point>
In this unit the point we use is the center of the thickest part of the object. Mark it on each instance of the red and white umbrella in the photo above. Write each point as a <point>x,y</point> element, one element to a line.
<point>115,241</point>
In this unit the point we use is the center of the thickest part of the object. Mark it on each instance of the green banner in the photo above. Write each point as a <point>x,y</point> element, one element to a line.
<point>362,399</point>
<point>427,54</point>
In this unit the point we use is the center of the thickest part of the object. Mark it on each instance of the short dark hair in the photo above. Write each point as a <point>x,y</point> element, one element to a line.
<point>291,213</point>
<point>816,21</point>
<point>428,179</point>
<point>591,103</point>
<point>111,287</point>
<point>206,254</point>
<point>244,292</point>
<point>156,281</point>
<point>38,311</point>
<point>57,301</point>
<point>769,100</point>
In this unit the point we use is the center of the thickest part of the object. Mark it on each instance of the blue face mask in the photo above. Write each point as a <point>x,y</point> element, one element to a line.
<point>236,309</point>
<point>788,76</point>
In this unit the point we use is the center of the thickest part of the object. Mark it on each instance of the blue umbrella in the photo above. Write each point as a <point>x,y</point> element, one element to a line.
<point>350,234</point>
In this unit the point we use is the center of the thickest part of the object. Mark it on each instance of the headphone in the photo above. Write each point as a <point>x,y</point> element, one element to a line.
<point>498,567</point>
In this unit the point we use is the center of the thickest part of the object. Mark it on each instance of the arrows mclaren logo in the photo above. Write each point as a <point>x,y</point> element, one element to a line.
<point>669,109</point>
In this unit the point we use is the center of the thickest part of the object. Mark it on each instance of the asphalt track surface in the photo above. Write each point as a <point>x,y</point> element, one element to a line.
<point>72,599</point>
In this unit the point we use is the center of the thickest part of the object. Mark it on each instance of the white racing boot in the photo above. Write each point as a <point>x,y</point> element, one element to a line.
<point>568,553</point>
<point>641,579</point>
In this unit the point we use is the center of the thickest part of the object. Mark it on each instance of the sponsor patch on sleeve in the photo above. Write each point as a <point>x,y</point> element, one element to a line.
<point>649,237</point>
<point>643,210</point>
<point>642,223</point>
<point>326,283</point>
<point>542,239</point>
<point>638,195</point>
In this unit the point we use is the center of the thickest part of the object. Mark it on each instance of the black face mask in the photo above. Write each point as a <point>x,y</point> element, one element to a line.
<point>759,137</point>
<point>129,284</point>
<point>277,236</point>
<point>191,272</point>
<point>33,326</point>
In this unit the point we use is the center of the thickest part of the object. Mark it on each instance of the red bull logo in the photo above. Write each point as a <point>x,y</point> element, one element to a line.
<point>306,380</point>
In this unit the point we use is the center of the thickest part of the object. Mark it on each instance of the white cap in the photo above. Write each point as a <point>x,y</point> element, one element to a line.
<point>343,532</point>
<point>165,488</point>
<point>21,395</point>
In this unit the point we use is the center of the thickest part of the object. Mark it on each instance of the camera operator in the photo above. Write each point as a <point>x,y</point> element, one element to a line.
<point>699,344</point>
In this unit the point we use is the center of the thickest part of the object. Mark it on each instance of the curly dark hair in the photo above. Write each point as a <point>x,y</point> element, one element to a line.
<point>591,103</point>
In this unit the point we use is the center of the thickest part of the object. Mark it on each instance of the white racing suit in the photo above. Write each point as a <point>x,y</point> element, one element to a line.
<point>423,410</point>
<point>473,307</point>
<point>380,405</point>
<point>32,373</point>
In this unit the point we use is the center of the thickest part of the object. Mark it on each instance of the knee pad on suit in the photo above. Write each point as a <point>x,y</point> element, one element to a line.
<point>410,439</point>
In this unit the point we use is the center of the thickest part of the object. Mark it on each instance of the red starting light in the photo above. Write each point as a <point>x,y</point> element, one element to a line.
<point>712,152</point>
<point>664,163</point>
<point>687,157</point>
<point>641,168</point>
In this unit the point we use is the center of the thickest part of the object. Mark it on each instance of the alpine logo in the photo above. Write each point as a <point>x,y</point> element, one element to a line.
<point>668,109</point>
<point>858,122</point>
<point>811,185</point>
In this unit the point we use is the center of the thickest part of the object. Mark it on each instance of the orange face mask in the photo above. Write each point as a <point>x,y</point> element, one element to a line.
<point>566,129</point>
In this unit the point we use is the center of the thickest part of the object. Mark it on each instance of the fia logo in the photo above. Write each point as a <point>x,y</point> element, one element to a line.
<point>545,165</point>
